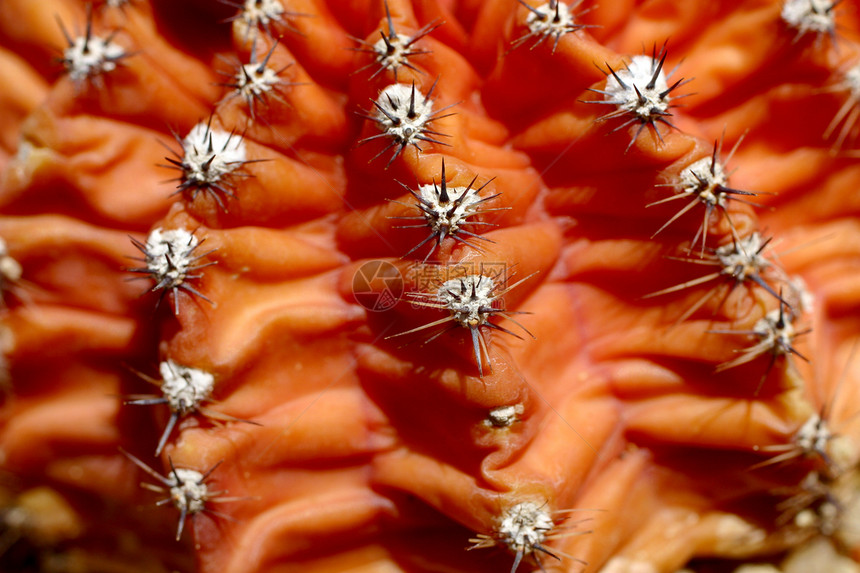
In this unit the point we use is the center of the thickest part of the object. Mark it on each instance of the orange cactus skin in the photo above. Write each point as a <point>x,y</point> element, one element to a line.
<point>370,448</point>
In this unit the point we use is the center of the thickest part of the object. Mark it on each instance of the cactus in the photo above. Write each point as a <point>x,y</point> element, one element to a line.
<point>429,286</point>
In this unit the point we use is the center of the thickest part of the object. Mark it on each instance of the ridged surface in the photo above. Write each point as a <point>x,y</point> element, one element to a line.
<point>374,454</point>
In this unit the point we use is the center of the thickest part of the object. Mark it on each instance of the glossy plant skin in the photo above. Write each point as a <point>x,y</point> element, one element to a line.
<point>369,452</point>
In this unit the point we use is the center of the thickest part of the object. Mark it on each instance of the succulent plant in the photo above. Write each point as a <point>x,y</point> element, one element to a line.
<point>449,286</point>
